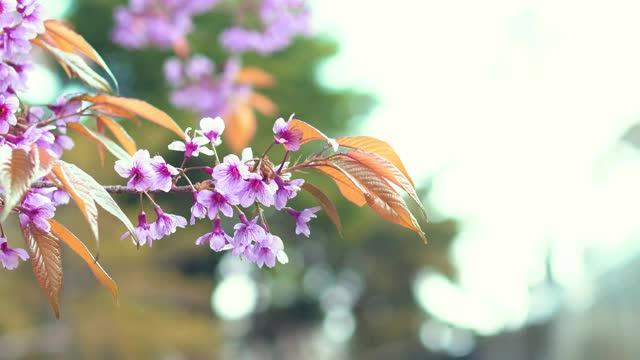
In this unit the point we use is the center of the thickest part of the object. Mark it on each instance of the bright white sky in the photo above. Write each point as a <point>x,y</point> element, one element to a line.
<point>516,106</point>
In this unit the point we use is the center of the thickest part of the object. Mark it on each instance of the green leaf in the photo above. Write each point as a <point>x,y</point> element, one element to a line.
<point>100,195</point>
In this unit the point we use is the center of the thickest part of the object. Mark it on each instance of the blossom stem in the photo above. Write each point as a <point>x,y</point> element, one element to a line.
<point>263,155</point>
<point>120,189</point>
<point>284,159</point>
<point>262,219</point>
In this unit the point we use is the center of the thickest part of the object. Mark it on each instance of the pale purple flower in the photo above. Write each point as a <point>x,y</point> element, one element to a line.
<point>138,168</point>
<point>245,233</point>
<point>280,21</point>
<point>230,174</point>
<point>191,147</point>
<point>302,219</point>
<point>198,210</point>
<point>286,190</point>
<point>217,238</point>
<point>286,136</point>
<point>8,107</point>
<point>10,258</point>
<point>254,188</point>
<point>209,95</point>
<point>36,209</point>
<point>212,129</point>
<point>67,111</point>
<point>15,41</point>
<point>162,174</point>
<point>166,224</point>
<point>216,201</point>
<point>143,231</point>
<point>198,67</point>
<point>7,17</point>
<point>173,72</point>
<point>31,14</point>
<point>267,250</point>
<point>8,77</point>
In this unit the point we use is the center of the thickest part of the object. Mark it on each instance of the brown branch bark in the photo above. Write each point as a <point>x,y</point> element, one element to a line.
<point>120,189</point>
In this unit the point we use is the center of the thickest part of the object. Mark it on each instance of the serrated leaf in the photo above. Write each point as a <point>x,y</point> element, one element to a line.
<point>310,133</point>
<point>263,104</point>
<point>113,148</point>
<point>240,128</point>
<point>113,105</point>
<point>17,170</point>
<point>46,260</point>
<point>349,188</point>
<point>119,133</point>
<point>80,192</point>
<point>100,195</point>
<point>76,67</point>
<point>45,161</point>
<point>380,195</point>
<point>386,169</point>
<point>69,41</point>
<point>81,249</point>
<point>255,77</point>
<point>326,205</point>
<point>375,146</point>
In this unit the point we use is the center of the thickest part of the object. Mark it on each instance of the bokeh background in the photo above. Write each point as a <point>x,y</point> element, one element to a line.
<point>519,120</point>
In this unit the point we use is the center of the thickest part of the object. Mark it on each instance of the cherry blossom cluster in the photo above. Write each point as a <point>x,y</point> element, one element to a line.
<point>20,22</point>
<point>236,186</point>
<point>196,84</point>
<point>159,23</point>
<point>44,127</point>
<point>22,126</point>
<point>197,87</point>
<point>280,21</point>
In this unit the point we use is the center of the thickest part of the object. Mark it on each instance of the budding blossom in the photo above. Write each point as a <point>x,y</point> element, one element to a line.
<point>165,224</point>
<point>10,258</point>
<point>302,219</point>
<point>217,238</point>
<point>143,231</point>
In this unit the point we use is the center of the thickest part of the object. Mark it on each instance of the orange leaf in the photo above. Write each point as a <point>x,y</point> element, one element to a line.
<point>46,260</point>
<point>113,105</point>
<point>120,134</point>
<point>17,170</point>
<point>69,41</point>
<point>348,188</point>
<point>325,203</point>
<point>375,146</point>
<point>80,193</point>
<point>80,248</point>
<point>380,196</point>
<point>100,130</point>
<point>263,104</point>
<point>310,133</point>
<point>255,77</point>
<point>386,169</point>
<point>240,128</point>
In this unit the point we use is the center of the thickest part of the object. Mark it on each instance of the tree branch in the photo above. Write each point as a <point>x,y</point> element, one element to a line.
<point>120,189</point>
